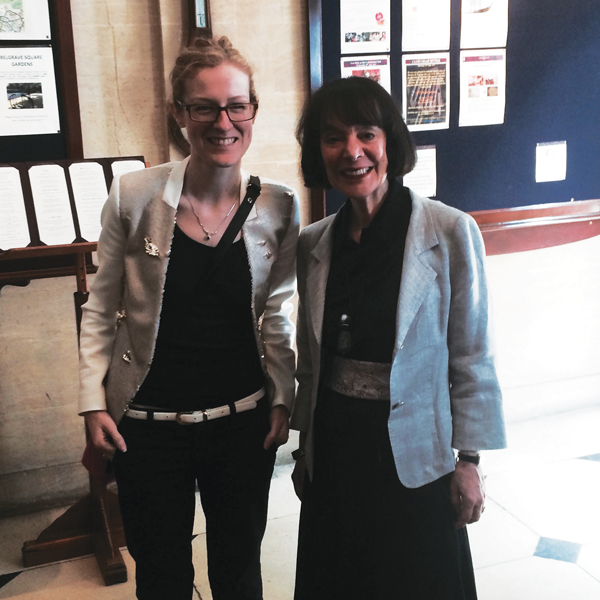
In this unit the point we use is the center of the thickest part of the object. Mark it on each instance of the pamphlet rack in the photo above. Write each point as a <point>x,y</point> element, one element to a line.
<point>92,525</point>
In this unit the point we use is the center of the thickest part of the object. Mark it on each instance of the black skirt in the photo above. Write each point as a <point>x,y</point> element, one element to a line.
<point>363,535</point>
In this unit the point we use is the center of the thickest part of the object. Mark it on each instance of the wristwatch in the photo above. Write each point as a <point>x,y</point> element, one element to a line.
<point>470,458</point>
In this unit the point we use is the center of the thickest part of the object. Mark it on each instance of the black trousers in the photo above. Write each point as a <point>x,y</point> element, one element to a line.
<point>157,479</point>
<point>362,533</point>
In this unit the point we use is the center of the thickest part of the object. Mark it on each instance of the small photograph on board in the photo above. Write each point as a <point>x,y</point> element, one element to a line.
<point>24,95</point>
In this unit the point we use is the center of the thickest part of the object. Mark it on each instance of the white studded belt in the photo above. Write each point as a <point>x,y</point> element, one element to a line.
<point>197,416</point>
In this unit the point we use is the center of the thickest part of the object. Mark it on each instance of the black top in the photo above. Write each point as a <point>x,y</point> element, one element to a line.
<point>206,353</point>
<point>364,281</point>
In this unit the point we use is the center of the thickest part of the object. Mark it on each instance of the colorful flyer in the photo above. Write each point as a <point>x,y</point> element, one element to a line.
<point>482,87</point>
<point>426,78</point>
<point>365,26</point>
<point>373,67</point>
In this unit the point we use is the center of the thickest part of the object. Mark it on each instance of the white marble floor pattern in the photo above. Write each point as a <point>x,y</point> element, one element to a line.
<point>539,538</point>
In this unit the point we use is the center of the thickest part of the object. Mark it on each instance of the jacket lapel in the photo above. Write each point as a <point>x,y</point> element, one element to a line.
<point>319,262</point>
<point>417,275</point>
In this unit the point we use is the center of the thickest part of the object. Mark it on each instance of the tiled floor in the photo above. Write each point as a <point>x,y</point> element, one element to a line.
<point>539,538</point>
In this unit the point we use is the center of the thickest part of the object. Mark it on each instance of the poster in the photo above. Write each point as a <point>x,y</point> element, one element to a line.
<point>90,194</point>
<point>365,26</point>
<point>425,25</point>
<point>14,231</point>
<point>426,78</point>
<point>28,100</point>
<point>484,23</point>
<point>482,87</point>
<point>550,161</point>
<point>423,178</point>
<point>24,20</point>
<point>373,67</point>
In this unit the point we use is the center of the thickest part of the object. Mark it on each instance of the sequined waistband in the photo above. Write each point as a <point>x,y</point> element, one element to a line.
<point>359,379</point>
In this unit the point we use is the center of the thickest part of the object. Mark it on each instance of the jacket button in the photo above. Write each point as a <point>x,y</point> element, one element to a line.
<point>261,242</point>
<point>127,356</point>
<point>268,254</point>
<point>397,405</point>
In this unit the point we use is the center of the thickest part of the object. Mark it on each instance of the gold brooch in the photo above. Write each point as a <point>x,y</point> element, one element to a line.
<point>151,249</point>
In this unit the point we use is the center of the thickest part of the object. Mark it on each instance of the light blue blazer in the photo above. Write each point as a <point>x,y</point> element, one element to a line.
<point>444,388</point>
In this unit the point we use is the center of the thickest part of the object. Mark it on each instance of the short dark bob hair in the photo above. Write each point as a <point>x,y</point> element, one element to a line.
<point>352,101</point>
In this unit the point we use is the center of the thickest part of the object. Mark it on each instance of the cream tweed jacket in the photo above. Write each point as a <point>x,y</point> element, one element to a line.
<point>121,318</point>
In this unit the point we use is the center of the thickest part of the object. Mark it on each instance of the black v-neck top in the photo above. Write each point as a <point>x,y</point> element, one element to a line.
<point>206,353</point>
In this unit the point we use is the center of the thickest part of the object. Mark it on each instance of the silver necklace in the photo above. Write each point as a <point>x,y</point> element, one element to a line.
<point>209,234</point>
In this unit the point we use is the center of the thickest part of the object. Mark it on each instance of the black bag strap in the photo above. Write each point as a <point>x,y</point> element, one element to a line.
<point>228,237</point>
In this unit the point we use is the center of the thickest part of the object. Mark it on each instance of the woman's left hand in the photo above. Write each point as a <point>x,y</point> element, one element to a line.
<point>280,427</point>
<point>467,493</point>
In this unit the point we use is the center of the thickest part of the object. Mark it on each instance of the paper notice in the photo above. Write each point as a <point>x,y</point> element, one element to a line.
<point>90,193</point>
<point>14,232</point>
<point>52,206</point>
<point>120,167</point>
<point>551,161</point>
<point>482,87</point>
<point>365,26</point>
<point>425,25</point>
<point>423,178</point>
<point>484,23</point>
<point>426,79</point>
<point>373,67</point>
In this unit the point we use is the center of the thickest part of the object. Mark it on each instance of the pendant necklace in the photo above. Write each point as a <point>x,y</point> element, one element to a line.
<point>209,234</point>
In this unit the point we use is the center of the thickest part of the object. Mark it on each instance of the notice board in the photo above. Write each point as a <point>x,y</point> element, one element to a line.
<point>552,91</point>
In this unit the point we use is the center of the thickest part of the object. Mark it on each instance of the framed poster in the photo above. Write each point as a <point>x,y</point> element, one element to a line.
<point>24,20</point>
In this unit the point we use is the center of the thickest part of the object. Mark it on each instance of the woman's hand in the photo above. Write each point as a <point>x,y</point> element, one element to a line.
<point>104,433</point>
<point>280,427</point>
<point>467,493</point>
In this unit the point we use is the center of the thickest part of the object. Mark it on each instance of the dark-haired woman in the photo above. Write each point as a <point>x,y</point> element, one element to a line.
<point>186,342</point>
<point>395,368</point>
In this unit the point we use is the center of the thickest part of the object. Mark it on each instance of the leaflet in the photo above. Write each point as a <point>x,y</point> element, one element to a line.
<point>482,87</point>
<point>365,26</point>
<point>14,231</point>
<point>120,167</point>
<point>52,206</point>
<point>90,193</point>
<point>426,78</point>
<point>373,67</point>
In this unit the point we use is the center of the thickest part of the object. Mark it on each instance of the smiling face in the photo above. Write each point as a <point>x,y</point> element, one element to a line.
<point>221,144</point>
<point>355,159</point>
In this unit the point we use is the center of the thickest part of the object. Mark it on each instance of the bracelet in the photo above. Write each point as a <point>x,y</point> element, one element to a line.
<point>299,453</point>
<point>473,459</point>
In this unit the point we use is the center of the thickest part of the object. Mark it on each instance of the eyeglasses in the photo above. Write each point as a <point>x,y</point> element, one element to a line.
<point>205,113</point>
